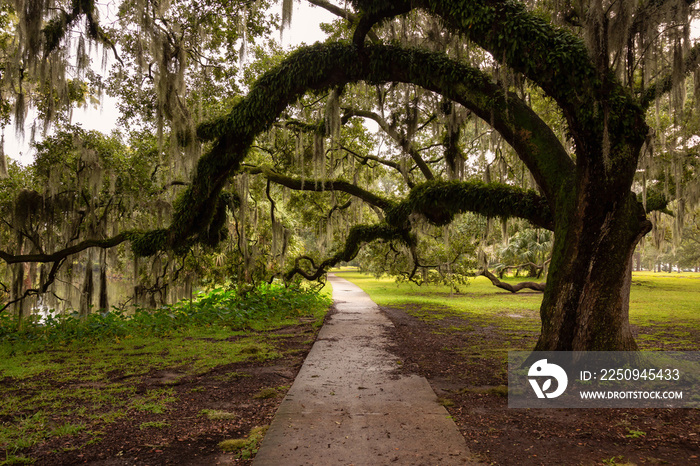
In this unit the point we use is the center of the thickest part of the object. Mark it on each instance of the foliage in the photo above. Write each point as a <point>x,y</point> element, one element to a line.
<point>527,249</point>
<point>223,307</point>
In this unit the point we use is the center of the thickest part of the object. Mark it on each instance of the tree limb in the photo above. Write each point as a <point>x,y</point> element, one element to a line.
<point>358,236</point>
<point>512,288</point>
<point>439,201</point>
<point>400,139</point>
<point>321,185</point>
<point>68,251</point>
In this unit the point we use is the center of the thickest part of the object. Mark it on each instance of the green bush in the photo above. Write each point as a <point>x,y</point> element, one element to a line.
<point>223,307</point>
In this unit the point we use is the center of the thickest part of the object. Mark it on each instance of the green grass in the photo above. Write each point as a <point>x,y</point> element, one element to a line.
<point>245,448</point>
<point>54,386</point>
<point>665,307</point>
<point>154,425</point>
<point>217,415</point>
<point>87,390</point>
<point>665,299</point>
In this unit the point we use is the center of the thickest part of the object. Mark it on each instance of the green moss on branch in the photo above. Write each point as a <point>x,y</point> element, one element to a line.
<point>322,66</point>
<point>440,201</point>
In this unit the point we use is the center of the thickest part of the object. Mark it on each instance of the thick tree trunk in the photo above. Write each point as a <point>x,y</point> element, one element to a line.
<point>586,302</point>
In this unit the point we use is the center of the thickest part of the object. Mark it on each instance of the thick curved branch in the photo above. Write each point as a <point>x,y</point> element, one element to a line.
<point>358,236</point>
<point>320,186</point>
<point>64,253</point>
<point>440,201</point>
<point>400,139</point>
<point>367,20</point>
<point>335,64</point>
<point>512,288</point>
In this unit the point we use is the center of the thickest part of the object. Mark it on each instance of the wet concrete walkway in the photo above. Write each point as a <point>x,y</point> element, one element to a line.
<point>348,407</point>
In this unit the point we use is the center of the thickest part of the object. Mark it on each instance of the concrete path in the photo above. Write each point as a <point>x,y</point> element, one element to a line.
<point>347,407</point>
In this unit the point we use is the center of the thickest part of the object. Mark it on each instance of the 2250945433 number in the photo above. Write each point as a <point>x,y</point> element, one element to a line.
<point>639,374</point>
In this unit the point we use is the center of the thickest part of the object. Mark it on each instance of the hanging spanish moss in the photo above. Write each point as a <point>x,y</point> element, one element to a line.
<point>245,212</point>
<point>3,158</point>
<point>287,10</point>
<point>88,287</point>
<point>332,116</point>
<point>319,159</point>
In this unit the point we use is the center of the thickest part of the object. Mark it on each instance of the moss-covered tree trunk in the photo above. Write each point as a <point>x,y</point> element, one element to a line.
<point>586,301</point>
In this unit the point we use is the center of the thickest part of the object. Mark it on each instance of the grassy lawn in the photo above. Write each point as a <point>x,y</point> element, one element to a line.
<point>664,308</point>
<point>74,390</point>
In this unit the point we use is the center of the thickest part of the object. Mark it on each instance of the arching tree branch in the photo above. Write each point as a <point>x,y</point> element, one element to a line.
<point>321,185</point>
<point>336,64</point>
<point>512,288</point>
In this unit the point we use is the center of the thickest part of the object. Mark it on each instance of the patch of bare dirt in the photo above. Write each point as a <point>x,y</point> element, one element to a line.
<point>191,438</point>
<point>449,351</point>
<point>472,384</point>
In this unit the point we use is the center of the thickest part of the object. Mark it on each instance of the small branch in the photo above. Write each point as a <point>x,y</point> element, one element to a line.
<point>44,286</point>
<point>387,163</point>
<point>400,139</point>
<point>318,185</point>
